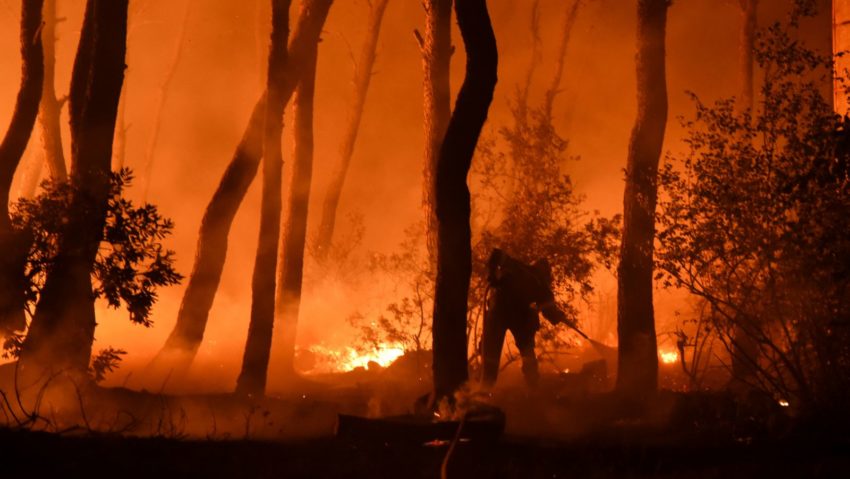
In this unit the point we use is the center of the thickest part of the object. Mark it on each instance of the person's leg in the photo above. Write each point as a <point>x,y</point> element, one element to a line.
<point>492,338</point>
<point>524,338</point>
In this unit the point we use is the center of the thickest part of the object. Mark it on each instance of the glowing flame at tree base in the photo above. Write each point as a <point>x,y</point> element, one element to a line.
<point>668,357</point>
<point>347,358</point>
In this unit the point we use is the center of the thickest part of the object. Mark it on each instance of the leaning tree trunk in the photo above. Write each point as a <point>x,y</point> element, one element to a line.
<point>638,357</point>
<point>62,330</point>
<point>255,361</point>
<point>362,76</point>
<point>454,251</point>
<point>186,337</point>
<point>49,112</point>
<point>295,228</point>
<point>436,50</point>
<point>13,244</point>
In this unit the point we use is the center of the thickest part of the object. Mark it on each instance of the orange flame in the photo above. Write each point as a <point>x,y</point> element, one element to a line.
<point>668,357</point>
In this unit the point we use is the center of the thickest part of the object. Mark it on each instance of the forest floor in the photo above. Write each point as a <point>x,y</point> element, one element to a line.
<point>562,429</point>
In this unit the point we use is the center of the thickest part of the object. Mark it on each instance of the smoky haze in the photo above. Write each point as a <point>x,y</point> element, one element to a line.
<point>219,78</point>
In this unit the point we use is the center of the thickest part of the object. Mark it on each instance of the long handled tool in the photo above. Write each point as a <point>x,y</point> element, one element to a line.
<point>599,347</point>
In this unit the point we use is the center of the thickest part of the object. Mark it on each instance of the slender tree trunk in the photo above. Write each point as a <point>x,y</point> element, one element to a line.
<point>638,356</point>
<point>536,55</point>
<point>62,330</point>
<point>436,50</point>
<point>162,96</point>
<point>746,347</point>
<point>12,243</point>
<point>454,251</point>
<point>255,361</point>
<point>50,109</point>
<point>295,227</point>
<point>566,33</point>
<point>362,77</point>
<point>186,337</point>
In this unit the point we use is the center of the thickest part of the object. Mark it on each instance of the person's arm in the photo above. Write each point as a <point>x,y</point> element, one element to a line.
<point>553,313</point>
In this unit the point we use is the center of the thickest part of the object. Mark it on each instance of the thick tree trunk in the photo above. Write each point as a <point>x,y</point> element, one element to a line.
<point>746,349</point>
<point>12,243</point>
<point>255,361</point>
<point>362,77</point>
<point>638,357</point>
<point>186,337</point>
<point>454,252</point>
<point>49,112</point>
<point>436,62</point>
<point>62,330</point>
<point>295,227</point>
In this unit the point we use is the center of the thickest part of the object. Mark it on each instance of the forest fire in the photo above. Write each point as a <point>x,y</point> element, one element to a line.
<point>347,358</point>
<point>668,356</point>
<point>542,238</point>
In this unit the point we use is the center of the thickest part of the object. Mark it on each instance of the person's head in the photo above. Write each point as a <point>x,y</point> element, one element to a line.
<point>493,265</point>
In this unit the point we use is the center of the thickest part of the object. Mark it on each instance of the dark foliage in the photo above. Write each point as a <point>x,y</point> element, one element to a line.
<point>755,223</point>
<point>132,261</point>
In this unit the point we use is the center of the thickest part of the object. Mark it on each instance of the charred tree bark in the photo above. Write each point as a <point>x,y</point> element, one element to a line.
<point>14,244</point>
<point>362,77</point>
<point>186,337</point>
<point>62,329</point>
<point>255,361</point>
<point>454,252</point>
<point>49,112</point>
<point>745,347</point>
<point>436,50</point>
<point>295,227</point>
<point>638,357</point>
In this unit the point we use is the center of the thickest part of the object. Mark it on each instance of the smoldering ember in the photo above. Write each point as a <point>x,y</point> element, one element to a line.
<point>433,238</point>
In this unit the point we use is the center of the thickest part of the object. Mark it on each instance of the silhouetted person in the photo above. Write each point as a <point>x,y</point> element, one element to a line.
<point>518,293</point>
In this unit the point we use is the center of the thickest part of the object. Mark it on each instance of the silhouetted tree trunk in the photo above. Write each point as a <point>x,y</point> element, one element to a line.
<point>454,252</point>
<point>49,112</point>
<point>436,50</point>
<point>745,347</point>
<point>638,356</point>
<point>185,339</point>
<point>62,329</point>
<point>162,96</point>
<point>295,227</point>
<point>362,77</point>
<point>255,361</point>
<point>13,244</point>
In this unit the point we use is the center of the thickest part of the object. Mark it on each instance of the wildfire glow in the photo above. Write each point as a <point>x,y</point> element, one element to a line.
<point>347,358</point>
<point>668,357</point>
